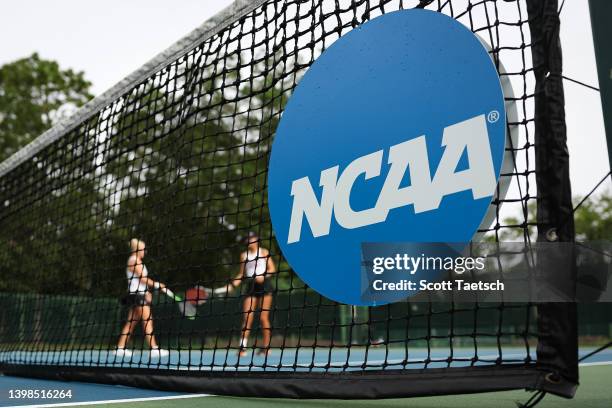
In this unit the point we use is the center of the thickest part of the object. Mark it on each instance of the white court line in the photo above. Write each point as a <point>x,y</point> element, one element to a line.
<point>597,363</point>
<point>113,401</point>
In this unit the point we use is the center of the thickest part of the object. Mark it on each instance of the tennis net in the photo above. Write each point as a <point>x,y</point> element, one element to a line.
<point>176,156</point>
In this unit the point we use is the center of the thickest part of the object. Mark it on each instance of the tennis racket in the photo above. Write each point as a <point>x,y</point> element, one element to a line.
<point>187,308</point>
<point>198,295</point>
<point>194,297</point>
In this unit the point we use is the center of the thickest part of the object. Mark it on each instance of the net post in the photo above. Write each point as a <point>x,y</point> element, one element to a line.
<point>557,349</point>
<point>601,12</point>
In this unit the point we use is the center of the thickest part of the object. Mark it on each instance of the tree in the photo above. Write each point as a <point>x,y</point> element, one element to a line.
<point>592,220</point>
<point>181,165</point>
<point>192,178</point>
<point>34,94</point>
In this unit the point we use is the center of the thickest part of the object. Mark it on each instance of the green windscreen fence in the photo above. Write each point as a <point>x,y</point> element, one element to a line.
<point>63,322</point>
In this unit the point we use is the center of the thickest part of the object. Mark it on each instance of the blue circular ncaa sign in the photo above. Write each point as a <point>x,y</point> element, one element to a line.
<point>396,133</point>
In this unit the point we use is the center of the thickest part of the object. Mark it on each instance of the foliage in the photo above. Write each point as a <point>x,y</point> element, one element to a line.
<point>592,220</point>
<point>34,94</point>
<point>181,166</point>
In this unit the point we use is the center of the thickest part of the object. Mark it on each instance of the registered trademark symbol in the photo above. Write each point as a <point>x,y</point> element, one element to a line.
<point>493,116</point>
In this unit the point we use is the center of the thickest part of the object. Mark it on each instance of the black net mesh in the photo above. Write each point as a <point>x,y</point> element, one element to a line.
<point>180,161</point>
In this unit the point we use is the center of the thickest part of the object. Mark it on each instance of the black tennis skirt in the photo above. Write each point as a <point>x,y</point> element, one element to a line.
<point>134,299</point>
<point>257,289</point>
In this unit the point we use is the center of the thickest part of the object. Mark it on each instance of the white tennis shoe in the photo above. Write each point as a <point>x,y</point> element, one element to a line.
<point>159,353</point>
<point>122,352</point>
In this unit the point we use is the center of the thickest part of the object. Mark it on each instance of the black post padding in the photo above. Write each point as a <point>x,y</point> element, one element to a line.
<point>557,323</point>
<point>601,15</point>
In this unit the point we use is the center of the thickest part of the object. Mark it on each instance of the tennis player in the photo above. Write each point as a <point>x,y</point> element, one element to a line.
<point>256,266</point>
<point>139,299</point>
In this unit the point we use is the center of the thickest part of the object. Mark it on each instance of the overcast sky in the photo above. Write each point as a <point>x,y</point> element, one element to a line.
<point>109,39</point>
